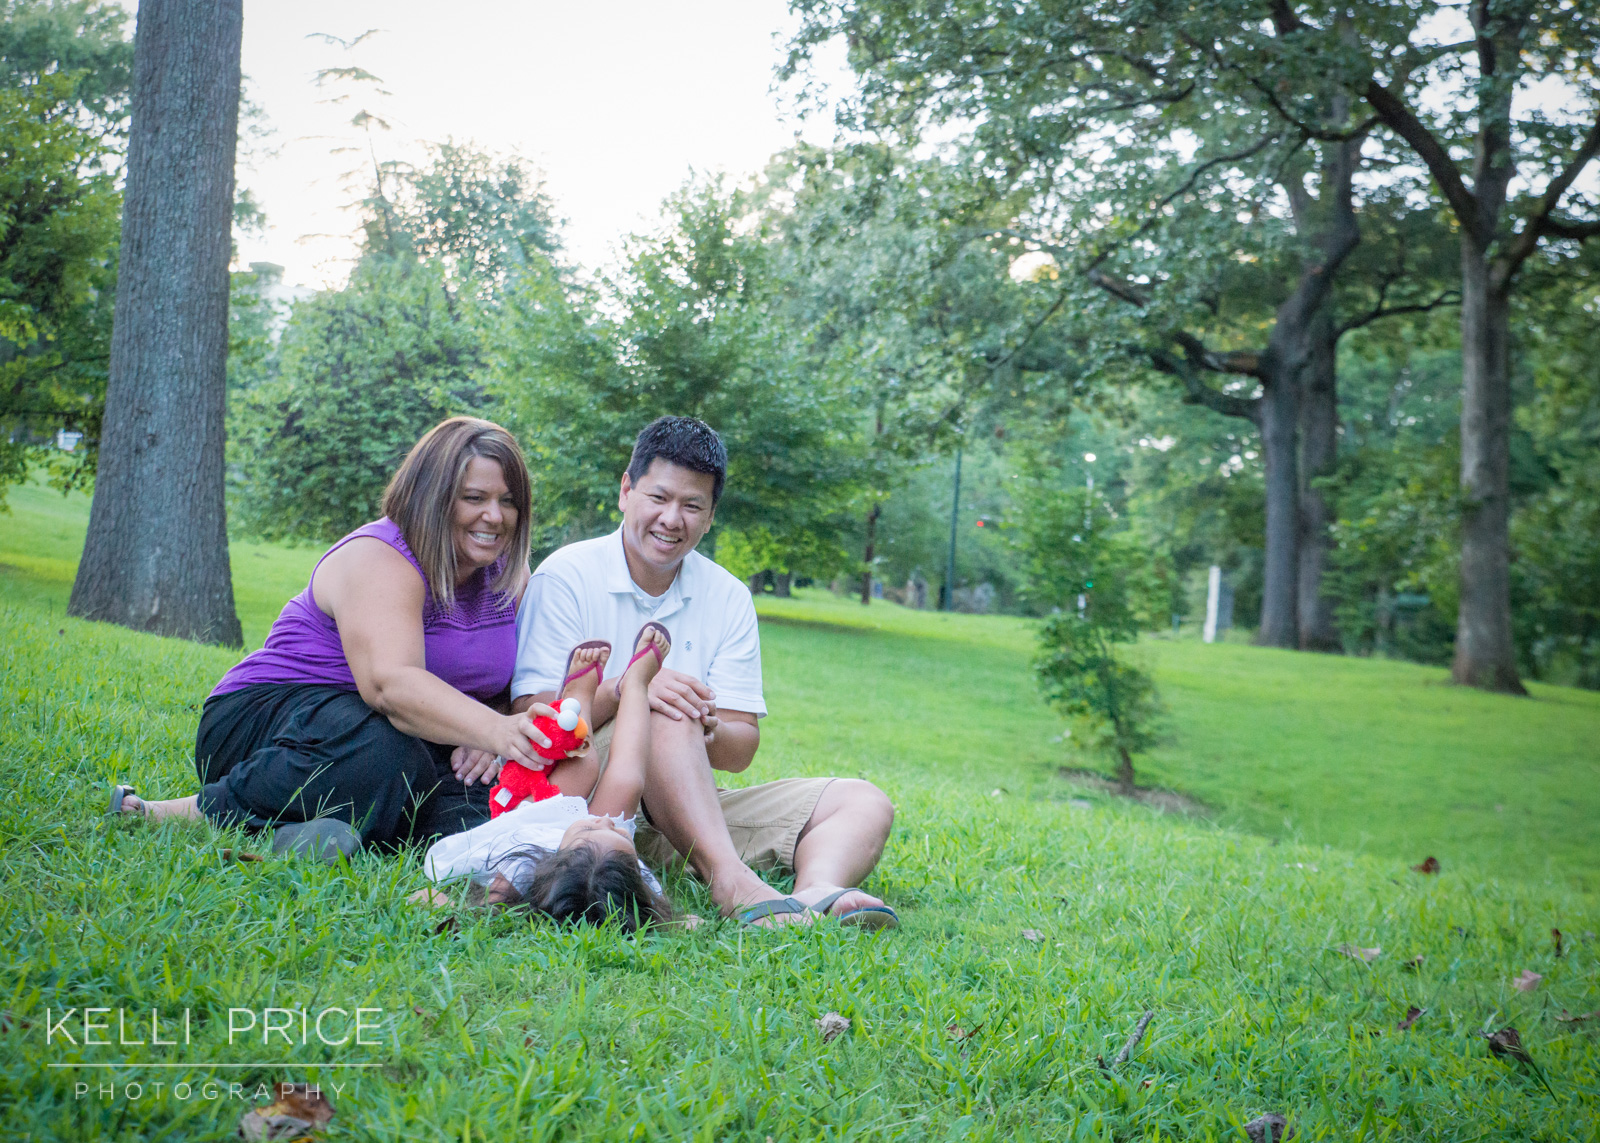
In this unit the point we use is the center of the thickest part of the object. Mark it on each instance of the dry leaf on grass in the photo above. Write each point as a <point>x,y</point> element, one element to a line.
<point>297,1113</point>
<point>1428,864</point>
<point>1413,1014</point>
<point>1507,1042</point>
<point>1527,982</point>
<point>1555,939</point>
<point>1365,956</point>
<point>1568,1018</point>
<point>1269,1128</point>
<point>832,1025</point>
<point>1414,963</point>
<point>1032,935</point>
<point>240,855</point>
<point>957,1032</point>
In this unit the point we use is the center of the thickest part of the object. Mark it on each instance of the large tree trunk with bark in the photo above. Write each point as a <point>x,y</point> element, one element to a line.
<point>156,556</point>
<point>1319,446</point>
<point>870,552</point>
<point>1485,654</point>
<point>1280,621</point>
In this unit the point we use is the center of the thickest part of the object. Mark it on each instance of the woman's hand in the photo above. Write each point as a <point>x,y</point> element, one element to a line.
<point>472,765</point>
<point>517,729</point>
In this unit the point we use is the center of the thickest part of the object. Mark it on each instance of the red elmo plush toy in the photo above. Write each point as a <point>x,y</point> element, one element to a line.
<point>518,784</point>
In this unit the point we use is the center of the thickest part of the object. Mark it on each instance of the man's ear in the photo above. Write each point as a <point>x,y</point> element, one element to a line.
<point>622,496</point>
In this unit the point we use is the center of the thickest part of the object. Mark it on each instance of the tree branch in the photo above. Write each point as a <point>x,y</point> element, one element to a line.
<point>1539,223</point>
<point>1565,228</point>
<point>1403,122</point>
<point>1196,391</point>
<point>1380,311</point>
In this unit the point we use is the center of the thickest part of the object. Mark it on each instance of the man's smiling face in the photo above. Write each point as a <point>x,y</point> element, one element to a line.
<point>664,516</point>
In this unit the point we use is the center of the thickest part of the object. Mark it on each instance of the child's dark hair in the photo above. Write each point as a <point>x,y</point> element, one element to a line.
<point>585,883</point>
<point>685,442</point>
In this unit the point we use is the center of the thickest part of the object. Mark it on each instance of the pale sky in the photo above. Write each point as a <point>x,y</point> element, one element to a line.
<point>614,100</point>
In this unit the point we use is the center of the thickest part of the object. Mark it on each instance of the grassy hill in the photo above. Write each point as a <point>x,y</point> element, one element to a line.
<point>1039,922</point>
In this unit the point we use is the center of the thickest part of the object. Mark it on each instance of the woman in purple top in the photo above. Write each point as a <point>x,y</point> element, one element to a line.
<point>378,700</point>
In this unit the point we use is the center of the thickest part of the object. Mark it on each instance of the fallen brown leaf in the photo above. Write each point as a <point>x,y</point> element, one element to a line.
<point>240,855</point>
<point>1428,864</point>
<point>1555,939</point>
<point>1527,982</point>
<point>1269,1128</point>
<point>1414,963</point>
<point>957,1032</point>
<point>297,1113</point>
<point>1507,1042</point>
<point>1356,952</point>
<point>1568,1018</point>
<point>1032,935</point>
<point>832,1025</point>
<point>8,1022</point>
<point>1413,1014</point>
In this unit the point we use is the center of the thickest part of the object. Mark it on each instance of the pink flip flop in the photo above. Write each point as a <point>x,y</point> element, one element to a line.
<point>652,649</point>
<point>597,666</point>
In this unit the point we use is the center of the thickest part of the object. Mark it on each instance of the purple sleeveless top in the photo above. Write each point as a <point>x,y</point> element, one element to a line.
<point>472,646</point>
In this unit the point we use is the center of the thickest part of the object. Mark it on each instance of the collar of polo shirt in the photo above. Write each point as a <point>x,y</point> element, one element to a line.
<point>620,581</point>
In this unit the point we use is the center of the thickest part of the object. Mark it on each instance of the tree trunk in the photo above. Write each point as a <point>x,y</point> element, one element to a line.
<point>780,584</point>
<point>1485,654</point>
<point>1319,445</point>
<point>1125,771</point>
<point>156,556</point>
<point>1280,625</point>
<point>870,553</point>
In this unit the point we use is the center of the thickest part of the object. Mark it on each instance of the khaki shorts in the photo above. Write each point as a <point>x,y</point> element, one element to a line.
<point>764,821</point>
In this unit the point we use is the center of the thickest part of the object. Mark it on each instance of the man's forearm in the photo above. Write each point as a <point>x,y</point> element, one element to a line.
<point>734,746</point>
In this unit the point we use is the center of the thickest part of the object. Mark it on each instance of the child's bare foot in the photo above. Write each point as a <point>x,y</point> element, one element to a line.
<point>173,809</point>
<point>586,666</point>
<point>430,897</point>
<point>649,652</point>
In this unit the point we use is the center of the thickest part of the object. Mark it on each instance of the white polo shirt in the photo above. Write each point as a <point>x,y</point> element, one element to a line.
<point>584,591</point>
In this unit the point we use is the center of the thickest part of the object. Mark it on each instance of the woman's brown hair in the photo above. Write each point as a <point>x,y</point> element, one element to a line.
<point>421,500</point>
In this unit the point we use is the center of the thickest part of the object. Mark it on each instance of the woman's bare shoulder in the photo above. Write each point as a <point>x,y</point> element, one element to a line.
<point>369,566</point>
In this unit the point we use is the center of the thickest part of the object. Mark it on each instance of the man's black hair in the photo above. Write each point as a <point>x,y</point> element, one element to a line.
<point>685,442</point>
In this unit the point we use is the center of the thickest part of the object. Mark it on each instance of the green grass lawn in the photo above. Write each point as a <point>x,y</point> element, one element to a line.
<point>1038,922</point>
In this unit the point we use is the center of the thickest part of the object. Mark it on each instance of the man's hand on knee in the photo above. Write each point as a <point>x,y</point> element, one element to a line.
<point>680,696</point>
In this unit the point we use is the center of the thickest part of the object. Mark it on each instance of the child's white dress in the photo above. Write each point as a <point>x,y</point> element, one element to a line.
<point>514,843</point>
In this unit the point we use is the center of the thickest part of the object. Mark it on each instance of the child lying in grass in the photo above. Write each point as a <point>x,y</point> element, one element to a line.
<point>569,857</point>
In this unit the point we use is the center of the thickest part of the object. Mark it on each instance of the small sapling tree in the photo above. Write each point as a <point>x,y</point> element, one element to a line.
<point>1090,576</point>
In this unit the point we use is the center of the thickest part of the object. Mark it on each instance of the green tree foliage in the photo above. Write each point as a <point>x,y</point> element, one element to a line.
<point>362,373</point>
<point>65,71</point>
<point>322,418</point>
<point>58,236</point>
<point>702,332</point>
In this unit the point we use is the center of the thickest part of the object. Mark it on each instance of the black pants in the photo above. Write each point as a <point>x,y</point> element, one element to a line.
<point>275,753</point>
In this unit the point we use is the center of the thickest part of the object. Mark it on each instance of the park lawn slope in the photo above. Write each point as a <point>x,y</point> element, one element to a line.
<point>1035,932</point>
<point>1359,754</point>
<point>1036,928</point>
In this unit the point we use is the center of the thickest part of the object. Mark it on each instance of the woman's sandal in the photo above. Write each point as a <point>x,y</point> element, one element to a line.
<point>872,917</point>
<point>651,649</point>
<point>119,794</point>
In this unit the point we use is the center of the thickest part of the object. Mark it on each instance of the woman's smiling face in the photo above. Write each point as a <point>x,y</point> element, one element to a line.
<point>485,517</point>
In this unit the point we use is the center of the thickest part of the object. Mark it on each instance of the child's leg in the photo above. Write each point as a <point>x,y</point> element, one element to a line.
<point>623,781</point>
<point>576,776</point>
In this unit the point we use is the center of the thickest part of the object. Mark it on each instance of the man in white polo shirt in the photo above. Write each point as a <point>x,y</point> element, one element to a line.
<point>705,701</point>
